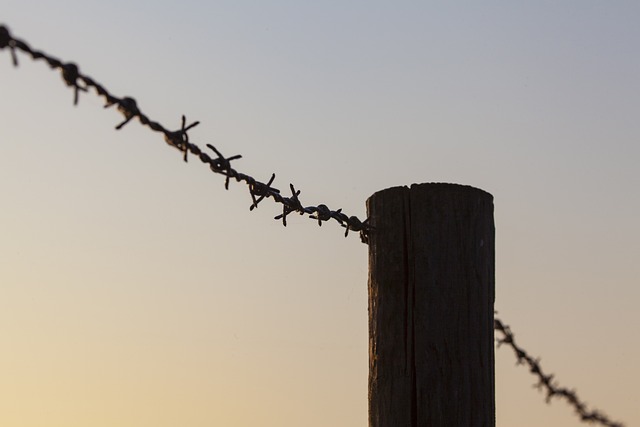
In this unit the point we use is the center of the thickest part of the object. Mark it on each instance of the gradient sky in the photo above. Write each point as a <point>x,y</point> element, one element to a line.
<point>135,291</point>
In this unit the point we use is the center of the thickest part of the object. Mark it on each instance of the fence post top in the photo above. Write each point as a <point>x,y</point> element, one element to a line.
<point>436,187</point>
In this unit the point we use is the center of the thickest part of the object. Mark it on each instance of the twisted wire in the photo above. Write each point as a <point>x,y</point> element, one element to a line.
<point>546,383</point>
<point>179,139</point>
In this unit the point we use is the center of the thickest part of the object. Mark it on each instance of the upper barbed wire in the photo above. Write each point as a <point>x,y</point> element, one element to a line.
<point>179,139</point>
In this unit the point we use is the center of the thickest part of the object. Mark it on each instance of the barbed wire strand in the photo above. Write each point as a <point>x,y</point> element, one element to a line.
<point>546,383</point>
<point>259,191</point>
<point>179,139</point>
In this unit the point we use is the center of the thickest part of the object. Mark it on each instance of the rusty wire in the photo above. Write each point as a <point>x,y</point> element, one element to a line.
<point>546,383</point>
<point>259,191</point>
<point>179,139</point>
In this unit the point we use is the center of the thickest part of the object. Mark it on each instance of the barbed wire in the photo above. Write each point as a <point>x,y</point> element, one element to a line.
<point>546,383</point>
<point>179,139</point>
<point>259,191</point>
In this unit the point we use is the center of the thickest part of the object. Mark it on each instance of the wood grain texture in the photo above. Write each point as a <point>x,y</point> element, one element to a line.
<point>431,295</point>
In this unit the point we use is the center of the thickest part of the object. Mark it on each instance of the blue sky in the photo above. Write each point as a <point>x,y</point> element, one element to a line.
<point>137,291</point>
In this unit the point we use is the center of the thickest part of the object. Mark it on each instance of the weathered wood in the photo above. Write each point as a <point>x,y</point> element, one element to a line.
<point>431,295</point>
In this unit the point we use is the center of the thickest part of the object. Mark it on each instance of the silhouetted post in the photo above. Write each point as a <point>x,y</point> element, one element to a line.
<point>431,295</point>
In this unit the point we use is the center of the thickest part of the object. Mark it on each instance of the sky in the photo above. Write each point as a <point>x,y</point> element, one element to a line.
<point>136,291</point>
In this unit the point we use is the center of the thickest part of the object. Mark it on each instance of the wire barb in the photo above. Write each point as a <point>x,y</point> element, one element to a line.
<point>7,41</point>
<point>223,165</point>
<point>180,138</point>
<point>70,75</point>
<point>261,190</point>
<point>129,109</point>
<point>322,213</point>
<point>290,204</point>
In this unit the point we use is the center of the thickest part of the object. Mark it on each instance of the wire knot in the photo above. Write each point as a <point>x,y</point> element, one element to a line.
<point>180,138</point>
<point>290,204</point>
<point>70,75</point>
<point>7,41</point>
<point>322,213</point>
<point>5,37</point>
<point>223,165</point>
<point>354,224</point>
<point>261,190</point>
<point>129,109</point>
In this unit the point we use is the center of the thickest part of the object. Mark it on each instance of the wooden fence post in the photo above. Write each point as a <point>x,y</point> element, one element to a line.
<point>431,295</point>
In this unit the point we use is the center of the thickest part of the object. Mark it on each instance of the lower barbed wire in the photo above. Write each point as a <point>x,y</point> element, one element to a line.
<point>545,382</point>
